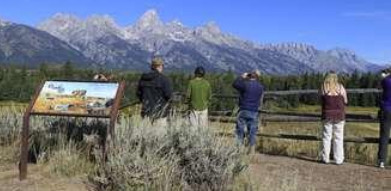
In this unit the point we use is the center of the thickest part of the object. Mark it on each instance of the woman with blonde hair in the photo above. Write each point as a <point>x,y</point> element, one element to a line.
<point>334,99</point>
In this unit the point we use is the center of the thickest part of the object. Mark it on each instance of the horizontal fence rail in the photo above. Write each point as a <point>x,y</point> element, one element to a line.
<point>283,116</point>
<point>287,119</point>
<point>299,92</point>
<point>280,116</point>
<point>373,140</point>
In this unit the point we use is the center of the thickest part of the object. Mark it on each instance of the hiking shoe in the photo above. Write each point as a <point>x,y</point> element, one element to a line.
<point>324,161</point>
<point>251,150</point>
<point>381,165</point>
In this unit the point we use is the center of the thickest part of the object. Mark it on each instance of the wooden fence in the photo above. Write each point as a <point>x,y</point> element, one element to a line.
<point>281,116</point>
<point>285,116</point>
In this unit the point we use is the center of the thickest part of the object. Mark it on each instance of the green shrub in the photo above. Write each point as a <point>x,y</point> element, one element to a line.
<point>147,157</point>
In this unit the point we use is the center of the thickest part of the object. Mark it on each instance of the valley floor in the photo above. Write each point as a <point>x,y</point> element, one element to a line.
<point>39,179</point>
<point>284,173</point>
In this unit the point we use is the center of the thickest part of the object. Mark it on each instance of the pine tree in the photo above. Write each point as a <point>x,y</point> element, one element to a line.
<point>68,70</point>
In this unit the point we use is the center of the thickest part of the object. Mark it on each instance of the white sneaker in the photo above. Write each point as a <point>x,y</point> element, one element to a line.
<point>381,165</point>
<point>324,162</point>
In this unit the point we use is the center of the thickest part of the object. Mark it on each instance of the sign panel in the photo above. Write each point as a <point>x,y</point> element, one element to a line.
<point>75,98</point>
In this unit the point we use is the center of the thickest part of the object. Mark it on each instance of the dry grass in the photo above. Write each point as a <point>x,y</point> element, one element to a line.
<point>147,157</point>
<point>177,157</point>
<point>355,152</point>
<point>68,161</point>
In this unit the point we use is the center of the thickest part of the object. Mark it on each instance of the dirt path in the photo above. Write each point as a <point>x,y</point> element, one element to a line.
<point>283,173</point>
<point>38,180</point>
<point>266,173</point>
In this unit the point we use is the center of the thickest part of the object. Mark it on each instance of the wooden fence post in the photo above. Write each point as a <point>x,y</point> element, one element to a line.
<point>25,136</point>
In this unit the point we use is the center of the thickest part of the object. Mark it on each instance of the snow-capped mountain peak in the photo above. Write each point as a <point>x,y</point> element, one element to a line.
<point>103,20</point>
<point>100,25</point>
<point>61,25</point>
<point>4,23</point>
<point>175,23</point>
<point>292,48</point>
<point>100,39</point>
<point>149,19</point>
<point>211,32</point>
<point>348,56</point>
<point>71,28</point>
<point>149,23</point>
<point>212,27</point>
<point>65,17</point>
<point>342,51</point>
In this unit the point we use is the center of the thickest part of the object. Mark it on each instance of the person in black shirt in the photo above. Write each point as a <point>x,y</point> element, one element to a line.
<point>155,92</point>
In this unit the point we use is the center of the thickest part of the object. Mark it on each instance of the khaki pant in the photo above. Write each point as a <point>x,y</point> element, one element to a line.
<point>330,128</point>
<point>199,118</point>
<point>160,122</point>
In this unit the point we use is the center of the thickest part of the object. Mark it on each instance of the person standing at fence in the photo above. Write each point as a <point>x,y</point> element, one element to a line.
<point>334,99</point>
<point>155,92</point>
<point>199,94</point>
<point>385,117</point>
<point>250,90</point>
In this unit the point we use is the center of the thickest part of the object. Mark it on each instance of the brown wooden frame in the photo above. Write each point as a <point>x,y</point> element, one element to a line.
<point>26,121</point>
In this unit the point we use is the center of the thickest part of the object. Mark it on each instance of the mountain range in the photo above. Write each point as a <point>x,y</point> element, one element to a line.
<point>99,42</point>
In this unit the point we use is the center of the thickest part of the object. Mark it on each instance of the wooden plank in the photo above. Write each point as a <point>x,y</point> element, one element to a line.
<point>68,115</point>
<point>24,148</point>
<point>116,106</point>
<point>25,135</point>
<point>286,119</point>
<point>110,131</point>
<point>371,140</point>
<point>221,113</point>
<point>318,115</point>
<point>131,104</point>
<point>298,92</point>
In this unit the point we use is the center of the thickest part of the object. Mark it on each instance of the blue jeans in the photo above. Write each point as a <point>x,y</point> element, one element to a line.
<point>247,119</point>
<point>385,126</point>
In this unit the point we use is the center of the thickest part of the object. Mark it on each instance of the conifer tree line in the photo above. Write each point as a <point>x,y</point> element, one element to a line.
<point>18,83</point>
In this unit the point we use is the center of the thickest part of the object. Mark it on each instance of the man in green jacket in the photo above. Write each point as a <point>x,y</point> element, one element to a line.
<point>199,94</point>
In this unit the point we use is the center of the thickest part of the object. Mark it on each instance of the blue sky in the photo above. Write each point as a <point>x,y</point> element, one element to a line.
<point>360,25</point>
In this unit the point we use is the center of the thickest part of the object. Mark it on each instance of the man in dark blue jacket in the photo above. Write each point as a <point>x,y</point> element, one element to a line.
<point>250,91</point>
<point>385,117</point>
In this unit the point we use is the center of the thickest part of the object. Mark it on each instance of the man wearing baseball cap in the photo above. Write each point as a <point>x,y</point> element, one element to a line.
<point>155,92</point>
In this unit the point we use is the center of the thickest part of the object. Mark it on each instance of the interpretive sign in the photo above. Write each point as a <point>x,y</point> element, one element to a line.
<point>72,99</point>
<point>75,98</point>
